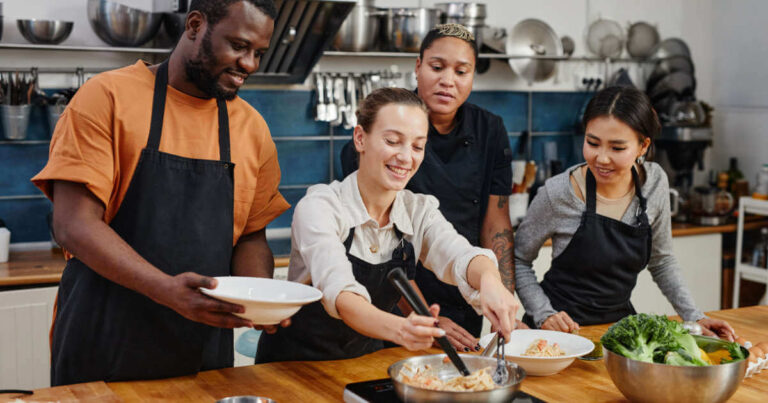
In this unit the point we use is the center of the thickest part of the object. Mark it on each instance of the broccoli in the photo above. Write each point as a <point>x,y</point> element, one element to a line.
<point>679,358</point>
<point>652,338</point>
<point>687,343</point>
<point>641,337</point>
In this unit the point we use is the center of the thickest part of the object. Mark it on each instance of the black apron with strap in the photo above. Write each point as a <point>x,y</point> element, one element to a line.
<point>316,336</point>
<point>457,183</point>
<point>593,278</point>
<point>178,215</point>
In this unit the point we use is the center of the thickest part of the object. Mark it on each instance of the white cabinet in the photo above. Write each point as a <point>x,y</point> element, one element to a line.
<point>699,257</point>
<point>700,260</point>
<point>25,323</point>
<point>25,320</point>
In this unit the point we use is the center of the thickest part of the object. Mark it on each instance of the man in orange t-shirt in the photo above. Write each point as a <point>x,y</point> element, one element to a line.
<point>161,179</point>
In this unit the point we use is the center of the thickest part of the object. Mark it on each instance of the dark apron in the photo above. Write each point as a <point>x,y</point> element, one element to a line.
<point>592,280</point>
<point>458,186</point>
<point>316,336</point>
<point>178,215</point>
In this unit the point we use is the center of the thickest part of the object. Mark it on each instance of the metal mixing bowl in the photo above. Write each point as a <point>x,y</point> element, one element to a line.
<point>444,371</point>
<point>647,382</point>
<point>45,32</point>
<point>120,25</point>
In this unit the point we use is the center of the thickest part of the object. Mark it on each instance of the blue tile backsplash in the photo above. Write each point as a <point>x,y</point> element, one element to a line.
<point>554,121</point>
<point>558,111</point>
<point>26,219</point>
<point>18,163</point>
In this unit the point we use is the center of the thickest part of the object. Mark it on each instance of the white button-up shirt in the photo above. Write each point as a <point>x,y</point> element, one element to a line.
<point>322,221</point>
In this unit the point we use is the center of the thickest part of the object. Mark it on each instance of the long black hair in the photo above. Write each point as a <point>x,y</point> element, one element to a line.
<point>629,105</point>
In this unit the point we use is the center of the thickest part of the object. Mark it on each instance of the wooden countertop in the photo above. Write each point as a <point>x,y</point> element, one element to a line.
<point>46,266</point>
<point>32,268</point>
<point>685,229</point>
<point>583,381</point>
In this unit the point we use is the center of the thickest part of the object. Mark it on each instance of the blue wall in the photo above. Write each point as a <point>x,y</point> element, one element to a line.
<point>554,117</point>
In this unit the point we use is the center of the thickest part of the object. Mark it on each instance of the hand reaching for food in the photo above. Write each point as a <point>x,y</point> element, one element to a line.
<point>560,322</point>
<point>459,337</point>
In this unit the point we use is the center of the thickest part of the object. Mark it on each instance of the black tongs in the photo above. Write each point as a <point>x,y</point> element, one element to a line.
<point>398,279</point>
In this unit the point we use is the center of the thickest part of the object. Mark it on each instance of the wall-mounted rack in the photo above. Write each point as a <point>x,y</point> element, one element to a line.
<point>331,53</point>
<point>23,46</point>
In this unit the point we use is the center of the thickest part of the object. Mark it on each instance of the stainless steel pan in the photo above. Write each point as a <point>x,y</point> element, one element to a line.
<point>445,371</point>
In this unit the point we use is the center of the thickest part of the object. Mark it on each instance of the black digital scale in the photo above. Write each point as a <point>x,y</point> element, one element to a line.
<point>383,391</point>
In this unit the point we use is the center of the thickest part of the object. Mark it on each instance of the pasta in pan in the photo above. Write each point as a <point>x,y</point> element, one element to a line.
<point>425,378</point>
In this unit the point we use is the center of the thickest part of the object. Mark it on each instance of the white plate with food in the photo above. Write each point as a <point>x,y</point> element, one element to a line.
<point>543,352</point>
<point>266,301</point>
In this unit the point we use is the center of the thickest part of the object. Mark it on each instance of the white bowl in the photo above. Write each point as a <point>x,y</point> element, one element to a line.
<point>266,301</point>
<point>574,346</point>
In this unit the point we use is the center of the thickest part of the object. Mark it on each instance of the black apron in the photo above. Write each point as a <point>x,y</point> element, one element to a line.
<point>593,278</point>
<point>458,185</point>
<point>316,336</point>
<point>177,214</point>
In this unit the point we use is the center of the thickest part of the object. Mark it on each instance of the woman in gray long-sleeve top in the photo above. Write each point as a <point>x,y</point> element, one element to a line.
<point>608,219</point>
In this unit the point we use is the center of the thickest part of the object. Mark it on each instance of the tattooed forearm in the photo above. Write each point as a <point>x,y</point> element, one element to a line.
<point>502,202</point>
<point>503,248</point>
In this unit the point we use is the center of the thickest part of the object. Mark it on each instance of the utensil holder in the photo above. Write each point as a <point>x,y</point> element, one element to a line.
<point>15,121</point>
<point>54,113</point>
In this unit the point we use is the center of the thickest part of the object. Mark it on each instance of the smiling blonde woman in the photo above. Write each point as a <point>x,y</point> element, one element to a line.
<point>346,237</point>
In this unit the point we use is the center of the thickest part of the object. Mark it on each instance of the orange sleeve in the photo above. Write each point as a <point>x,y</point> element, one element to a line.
<point>81,147</point>
<point>268,203</point>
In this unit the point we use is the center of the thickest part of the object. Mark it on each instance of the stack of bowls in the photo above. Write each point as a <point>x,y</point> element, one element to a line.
<point>120,25</point>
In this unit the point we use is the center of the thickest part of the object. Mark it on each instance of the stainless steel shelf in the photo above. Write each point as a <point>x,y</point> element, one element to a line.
<point>24,142</point>
<point>23,197</point>
<point>488,56</point>
<point>326,53</point>
<point>20,46</point>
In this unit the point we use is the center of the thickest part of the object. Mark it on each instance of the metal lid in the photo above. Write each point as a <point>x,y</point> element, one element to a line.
<point>535,38</point>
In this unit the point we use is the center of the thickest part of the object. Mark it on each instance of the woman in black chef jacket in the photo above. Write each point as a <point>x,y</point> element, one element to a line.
<point>346,237</point>
<point>608,219</point>
<point>467,167</point>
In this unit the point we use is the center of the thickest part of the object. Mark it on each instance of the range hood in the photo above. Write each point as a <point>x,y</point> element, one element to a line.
<point>303,29</point>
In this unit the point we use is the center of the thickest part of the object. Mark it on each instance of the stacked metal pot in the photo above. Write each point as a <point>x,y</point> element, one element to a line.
<point>369,28</point>
<point>471,15</point>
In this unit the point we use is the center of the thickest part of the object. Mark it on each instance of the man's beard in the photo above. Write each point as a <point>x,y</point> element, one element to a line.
<point>199,72</point>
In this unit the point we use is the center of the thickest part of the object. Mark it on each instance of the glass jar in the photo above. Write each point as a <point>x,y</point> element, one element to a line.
<point>761,185</point>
